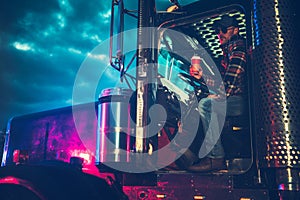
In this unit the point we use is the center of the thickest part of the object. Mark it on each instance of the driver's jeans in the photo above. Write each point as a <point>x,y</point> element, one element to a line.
<point>212,113</point>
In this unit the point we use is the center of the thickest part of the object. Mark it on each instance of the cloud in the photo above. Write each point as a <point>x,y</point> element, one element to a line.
<point>43,44</point>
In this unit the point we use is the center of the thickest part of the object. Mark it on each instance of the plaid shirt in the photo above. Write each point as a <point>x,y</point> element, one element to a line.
<point>233,66</point>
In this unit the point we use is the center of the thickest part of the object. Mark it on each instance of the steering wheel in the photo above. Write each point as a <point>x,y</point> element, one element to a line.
<point>186,78</point>
<point>200,87</point>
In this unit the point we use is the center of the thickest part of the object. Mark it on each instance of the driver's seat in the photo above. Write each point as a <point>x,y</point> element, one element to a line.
<point>236,135</point>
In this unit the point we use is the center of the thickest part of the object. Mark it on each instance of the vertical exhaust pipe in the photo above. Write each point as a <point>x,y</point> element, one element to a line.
<point>277,93</point>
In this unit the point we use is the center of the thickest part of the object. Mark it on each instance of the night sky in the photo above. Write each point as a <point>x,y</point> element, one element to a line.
<point>42,46</point>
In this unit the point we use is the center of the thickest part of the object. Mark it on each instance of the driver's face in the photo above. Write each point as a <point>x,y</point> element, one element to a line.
<point>225,36</point>
<point>196,71</point>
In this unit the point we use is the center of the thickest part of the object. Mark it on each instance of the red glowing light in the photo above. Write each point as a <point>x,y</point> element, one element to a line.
<point>83,154</point>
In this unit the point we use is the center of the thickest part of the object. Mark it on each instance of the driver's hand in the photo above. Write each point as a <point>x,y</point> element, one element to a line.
<point>213,96</point>
<point>196,71</point>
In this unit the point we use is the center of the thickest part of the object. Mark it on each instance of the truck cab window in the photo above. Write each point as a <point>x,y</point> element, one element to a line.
<point>219,43</point>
